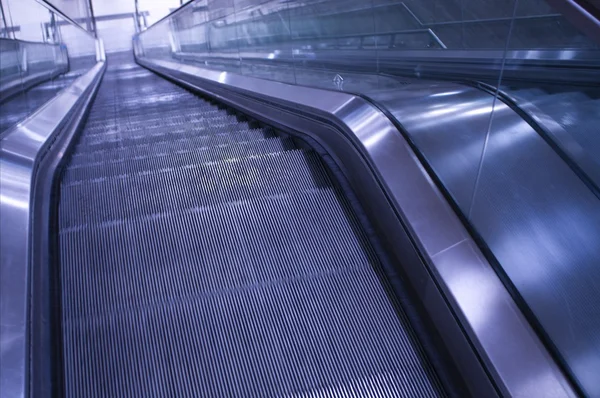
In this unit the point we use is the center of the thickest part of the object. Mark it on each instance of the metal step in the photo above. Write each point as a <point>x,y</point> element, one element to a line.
<point>157,161</point>
<point>125,137</point>
<point>176,116</point>
<point>203,120</point>
<point>165,102</point>
<point>169,143</point>
<point>258,228</point>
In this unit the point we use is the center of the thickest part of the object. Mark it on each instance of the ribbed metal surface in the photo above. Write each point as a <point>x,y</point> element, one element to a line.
<point>203,256</point>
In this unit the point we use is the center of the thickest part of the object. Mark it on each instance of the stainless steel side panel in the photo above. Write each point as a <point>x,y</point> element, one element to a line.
<point>20,151</point>
<point>537,217</point>
<point>370,147</point>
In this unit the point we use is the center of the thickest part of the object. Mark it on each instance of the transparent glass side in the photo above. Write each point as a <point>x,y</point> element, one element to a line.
<point>463,25</point>
<point>79,45</point>
<point>41,57</point>
<point>214,21</point>
<point>322,31</point>
<point>31,25</point>
<point>264,35</point>
<point>398,26</point>
<point>11,83</point>
<point>158,42</point>
<point>77,10</point>
<point>10,67</point>
<point>203,34</point>
<point>538,26</point>
<point>154,10</point>
<point>192,32</point>
<point>45,56</point>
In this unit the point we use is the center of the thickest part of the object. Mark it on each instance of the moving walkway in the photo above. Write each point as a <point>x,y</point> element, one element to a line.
<point>202,254</point>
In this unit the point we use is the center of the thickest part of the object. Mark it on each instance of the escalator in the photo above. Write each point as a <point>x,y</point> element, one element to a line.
<point>202,254</point>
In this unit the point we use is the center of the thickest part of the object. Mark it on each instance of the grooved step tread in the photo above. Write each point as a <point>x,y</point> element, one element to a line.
<point>129,131</point>
<point>325,239</point>
<point>134,195</point>
<point>175,116</point>
<point>180,142</point>
<point>206,120</point>
<point>301,335</point>
<point>172,160</point>
<point>121,138</point>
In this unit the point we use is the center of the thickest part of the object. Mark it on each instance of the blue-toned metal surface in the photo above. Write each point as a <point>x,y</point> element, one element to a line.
<point>20,151</point>
<point>516,359</point>
<point>538,218</point>
<point>570,120</point>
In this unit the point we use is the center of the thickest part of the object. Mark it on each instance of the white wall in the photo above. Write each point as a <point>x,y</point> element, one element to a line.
<point>111,7</point>
<point>117,33</point>
<point>29,16</point>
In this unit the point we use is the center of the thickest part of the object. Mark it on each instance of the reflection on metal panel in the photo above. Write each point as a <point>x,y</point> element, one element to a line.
<point>540,221</point>
<point>570,118</point>
<point>465,113</point>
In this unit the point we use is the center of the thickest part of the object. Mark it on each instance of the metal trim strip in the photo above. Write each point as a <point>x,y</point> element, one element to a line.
<point>573,57</point>
<point>558,138</point>
<point>531,65</point>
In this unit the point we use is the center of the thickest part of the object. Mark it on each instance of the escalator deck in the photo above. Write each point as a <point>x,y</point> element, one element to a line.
<point>203,255</point>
